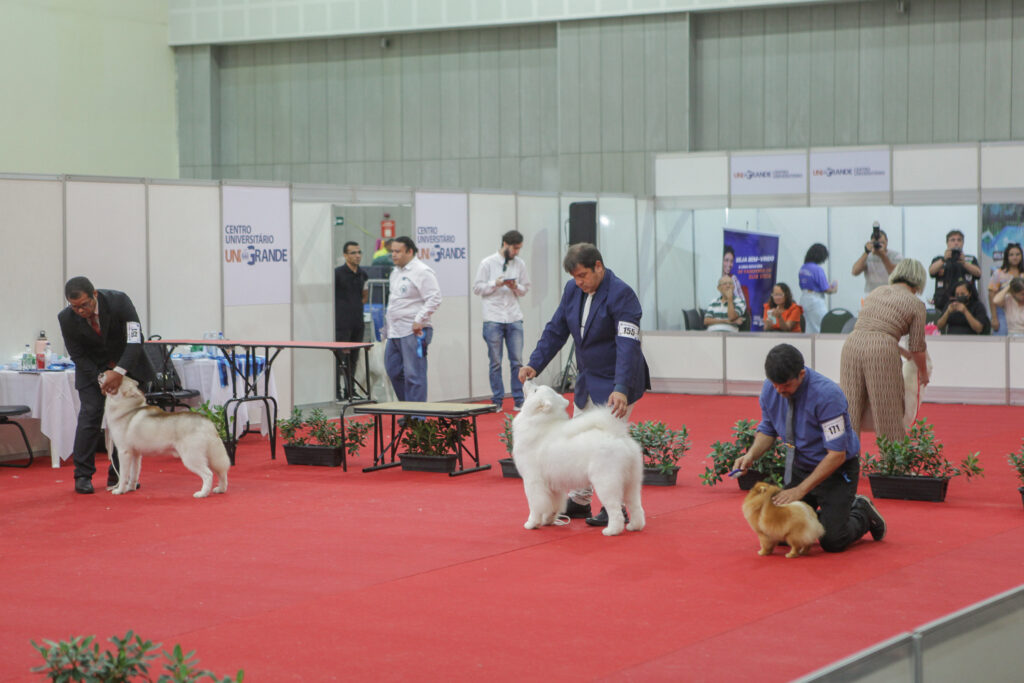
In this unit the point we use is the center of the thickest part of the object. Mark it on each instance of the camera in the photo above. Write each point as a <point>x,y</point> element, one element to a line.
<point>963,298</point>
<point>876,236</point>
<point>954,255</point>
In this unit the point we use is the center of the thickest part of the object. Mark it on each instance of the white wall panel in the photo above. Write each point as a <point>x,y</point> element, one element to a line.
<point>688,355</point>
<point>692,175</point>
<point>1001,167</point>
<point>745,354</point>
<point>1016,369</point>
<point>313,300</point>
<point>106,238</point>
<point>538,221</point>
<point>32,276</point>
<point>934,174</point>
<point>828,350</point>
<point>447,369</point>
<point>184,260</point>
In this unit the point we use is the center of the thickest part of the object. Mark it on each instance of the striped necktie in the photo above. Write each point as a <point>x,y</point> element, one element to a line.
<point>94,322</point>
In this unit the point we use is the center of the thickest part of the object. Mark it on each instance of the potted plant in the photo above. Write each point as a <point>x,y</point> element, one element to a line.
<point>662,448</point>
<point>508,465</point>
<point>1016,461</point>
<point>771,466</point>
<point>218,416</point>
<point>433,445</point>
<point>913,467</point>
<point>320,441</point>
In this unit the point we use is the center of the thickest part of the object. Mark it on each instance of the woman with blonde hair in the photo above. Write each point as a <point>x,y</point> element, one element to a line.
<point>871,370</point>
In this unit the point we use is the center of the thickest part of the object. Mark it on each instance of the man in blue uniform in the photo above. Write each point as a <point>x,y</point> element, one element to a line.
<point>602,315</point>
<point>809,412</point>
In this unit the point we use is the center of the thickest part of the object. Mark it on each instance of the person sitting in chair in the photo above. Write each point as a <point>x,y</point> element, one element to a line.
<point>725,314</point>
<point>781,313</point>
<point>964,313</point>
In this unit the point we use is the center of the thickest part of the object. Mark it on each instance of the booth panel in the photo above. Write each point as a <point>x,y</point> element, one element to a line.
<point>967,370</point>
<point>1016,370</point>
<point>647,252</point>
<point>925,233</point>
<point>745,354</point>
<point>616,235</point>
<point>674,266</point>
<point>32,228</point>
<point>692,175</point>
<point>684,355</point>
<point>708,243</point>
<point>828,350</point>
<point>184,260</point>
<point>105,218</point>
<point>267,322</point>
<point>490,217</point>
<point>1001,167</point>
<point>849,230</point>
<point>935,169</point>
<point>313,301</point>
<point>538,221</point>
<point>798,229</point>
<point>448,373</point>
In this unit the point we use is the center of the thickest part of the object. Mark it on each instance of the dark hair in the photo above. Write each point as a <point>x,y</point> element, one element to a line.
<point>783,363</point>
<point>818,253</point>
<point>77,286</point>
<point>954,232</point>
<point>971,291</point>
<point>388,241</point>
<point>727,249</point>
<point>1006,256</point>
<point>406,242</point>
<point>788,300</point>
<point>344,249</point>
<point>512,238</point>
<point>582,254</point>
<point>1017,284</point>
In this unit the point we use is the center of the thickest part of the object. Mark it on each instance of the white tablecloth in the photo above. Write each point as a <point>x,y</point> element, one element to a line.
<point>202,374</point>
<point>53,400</point>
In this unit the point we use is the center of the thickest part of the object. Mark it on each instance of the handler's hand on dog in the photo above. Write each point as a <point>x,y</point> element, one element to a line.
<point>526,372</point>
<point>110,382</point>
<point>787,496</point>
<point>617,402</point>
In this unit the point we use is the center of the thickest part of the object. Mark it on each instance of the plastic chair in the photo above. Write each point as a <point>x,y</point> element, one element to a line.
<point>165,391</point>
<point>11,411</point>
<point>693,319</point>
<point>834,321</point>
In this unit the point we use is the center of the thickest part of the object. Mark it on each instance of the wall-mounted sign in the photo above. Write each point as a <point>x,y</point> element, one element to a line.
<point>768,174</point>
<point>848,171</point>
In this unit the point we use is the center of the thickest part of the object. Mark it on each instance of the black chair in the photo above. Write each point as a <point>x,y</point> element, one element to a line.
<point>834,320</point>
<point>693,319</point>
<point>11,411</point>
<point>165,391</point>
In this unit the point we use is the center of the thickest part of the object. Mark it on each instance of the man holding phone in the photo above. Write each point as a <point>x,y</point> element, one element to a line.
<point>500,280</point>
<point>952,267</point>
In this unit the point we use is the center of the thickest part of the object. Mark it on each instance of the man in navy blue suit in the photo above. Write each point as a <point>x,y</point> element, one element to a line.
<point>602,315</point>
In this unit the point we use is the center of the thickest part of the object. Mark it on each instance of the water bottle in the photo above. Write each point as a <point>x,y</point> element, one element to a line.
<point>49,354</point>
<point>39,357</point>
<point>28,360</point>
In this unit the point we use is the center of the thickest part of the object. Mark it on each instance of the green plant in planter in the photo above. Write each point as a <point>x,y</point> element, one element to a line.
<point>215,414</point>
<point>506,434</point>
<point>918,454</point>
<point>662,447</point>
<point>1016,461</point>
<point>318,430</point>
<point>723,454</point>
<point>438,436</point>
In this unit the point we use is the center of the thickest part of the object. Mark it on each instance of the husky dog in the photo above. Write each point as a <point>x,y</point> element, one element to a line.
<point>555,455</point>
<point>795,523</point>
<point>137,429</point>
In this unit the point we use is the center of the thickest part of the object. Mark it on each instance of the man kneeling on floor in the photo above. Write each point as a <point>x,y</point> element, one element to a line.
<point>808,412</point>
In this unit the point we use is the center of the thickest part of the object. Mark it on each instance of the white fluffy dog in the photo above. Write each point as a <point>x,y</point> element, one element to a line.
<point>136,428</point>
<point>555,455</point>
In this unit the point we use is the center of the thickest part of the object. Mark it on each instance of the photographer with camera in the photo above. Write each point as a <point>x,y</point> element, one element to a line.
<point>877,261</point>
<point>952,267</point>
<point>964,314</point>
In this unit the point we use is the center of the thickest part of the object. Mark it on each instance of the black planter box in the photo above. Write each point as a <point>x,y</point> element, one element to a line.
<point>415,462</point>
<point>321,456</point>
<point>1021,489</point>
<point>655,477</point>
<point>508,468</point>
<point>747,480</point>
<point>931,489</point>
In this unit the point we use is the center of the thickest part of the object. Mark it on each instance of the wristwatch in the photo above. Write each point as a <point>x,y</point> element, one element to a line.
<point>866,250</point>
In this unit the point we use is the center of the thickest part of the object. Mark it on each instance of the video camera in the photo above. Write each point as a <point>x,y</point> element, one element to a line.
<point>876,236</point>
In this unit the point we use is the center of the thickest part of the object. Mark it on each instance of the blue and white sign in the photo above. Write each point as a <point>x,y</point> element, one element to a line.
<point>850,171</point>
<point>442,237</point>
<point>768,174</point>
<point>256,234</point>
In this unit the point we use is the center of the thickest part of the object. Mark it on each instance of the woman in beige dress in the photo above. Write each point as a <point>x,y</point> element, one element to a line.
<point>871,370</point>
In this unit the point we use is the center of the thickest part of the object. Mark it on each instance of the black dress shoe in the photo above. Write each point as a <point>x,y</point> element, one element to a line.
<point>83,485</point>
<point>575,510</point>
<point>601,519</point>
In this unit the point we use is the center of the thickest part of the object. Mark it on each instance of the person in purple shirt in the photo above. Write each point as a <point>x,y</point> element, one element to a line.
<point>815,286</point>
<point>808,411</point>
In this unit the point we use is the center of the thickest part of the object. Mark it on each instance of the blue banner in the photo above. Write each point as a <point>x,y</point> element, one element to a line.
<point>755,261</point>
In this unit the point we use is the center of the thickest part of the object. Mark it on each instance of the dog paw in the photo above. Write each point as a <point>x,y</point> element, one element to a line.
<point>530,524</point>
<point>609,531</point>
<point>220,490</point>
<point>200,494</point>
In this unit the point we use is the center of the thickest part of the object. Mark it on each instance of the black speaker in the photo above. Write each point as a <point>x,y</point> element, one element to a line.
<point>583,222</point>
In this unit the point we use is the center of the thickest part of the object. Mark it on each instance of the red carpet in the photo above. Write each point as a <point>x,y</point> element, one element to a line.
<point>314,574</point>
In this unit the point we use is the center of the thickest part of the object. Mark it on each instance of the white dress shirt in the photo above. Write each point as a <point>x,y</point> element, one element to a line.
<point>501,304</point>
<point>414,296</point>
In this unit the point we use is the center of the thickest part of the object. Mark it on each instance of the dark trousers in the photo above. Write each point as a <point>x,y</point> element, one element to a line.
<point>345,368</point>
<point>87,432</point>
<point>833,499</point>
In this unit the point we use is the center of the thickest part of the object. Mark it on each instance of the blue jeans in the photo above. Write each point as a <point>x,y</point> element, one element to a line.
<point>408,372</point>
<point>512,335</point>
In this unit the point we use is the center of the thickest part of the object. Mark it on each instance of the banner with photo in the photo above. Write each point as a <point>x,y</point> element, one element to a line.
<point>256,237</point>
<point>768,174</point>
<point>754,267</point>
<point>1001,224</point>
<point>442,237</point>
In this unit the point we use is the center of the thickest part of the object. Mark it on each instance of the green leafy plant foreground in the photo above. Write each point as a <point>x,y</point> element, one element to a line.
<point>662,447</point>
<point>80,659</point>
<point>1016,461</point>
<point>918,454</point>
<point>319,430</point>
<point>772,464</point>
<point>438,436</point>
<point>215,414</point>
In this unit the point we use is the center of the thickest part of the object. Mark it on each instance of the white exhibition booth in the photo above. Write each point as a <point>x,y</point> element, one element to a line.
<point>166,244</point>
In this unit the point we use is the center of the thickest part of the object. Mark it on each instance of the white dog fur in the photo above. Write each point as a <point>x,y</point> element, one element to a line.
<point>555,455</point>
<point>138,429</point>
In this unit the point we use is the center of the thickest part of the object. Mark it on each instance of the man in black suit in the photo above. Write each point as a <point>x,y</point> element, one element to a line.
<point>101,332</point>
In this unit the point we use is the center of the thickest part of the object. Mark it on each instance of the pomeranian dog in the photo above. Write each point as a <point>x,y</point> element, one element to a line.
<point>137,429</point>
<point>555,455</point>
<point>795,523</point>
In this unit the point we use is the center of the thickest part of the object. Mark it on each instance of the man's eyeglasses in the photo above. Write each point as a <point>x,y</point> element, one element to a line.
<point>84,306</point>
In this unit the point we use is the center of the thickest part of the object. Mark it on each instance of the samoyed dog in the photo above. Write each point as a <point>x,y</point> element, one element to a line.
<point>555,455</point>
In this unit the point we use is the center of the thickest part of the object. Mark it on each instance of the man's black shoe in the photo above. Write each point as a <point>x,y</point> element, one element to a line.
<point>83,485</point>
<point>576,511</point>
<point>876,523</point>
<point>601,519</point>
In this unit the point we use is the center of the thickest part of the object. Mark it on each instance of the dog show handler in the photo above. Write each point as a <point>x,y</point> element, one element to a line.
<point>101,332</point>
<point>602,315</point>
<point>808,412</point>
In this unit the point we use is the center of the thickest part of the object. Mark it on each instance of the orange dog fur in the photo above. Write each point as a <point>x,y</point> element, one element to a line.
<point>795,523</point>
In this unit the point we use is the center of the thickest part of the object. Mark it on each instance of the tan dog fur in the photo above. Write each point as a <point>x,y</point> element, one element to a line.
<point>795,523</point>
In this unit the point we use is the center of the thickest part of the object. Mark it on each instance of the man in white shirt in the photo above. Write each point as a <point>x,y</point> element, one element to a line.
<point>414,296</point>
<point>500,280</point>
<point>877,261</point>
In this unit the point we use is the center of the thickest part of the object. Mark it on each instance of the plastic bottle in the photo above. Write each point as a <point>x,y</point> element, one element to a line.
<point>49,354</point>
<point>27,359</point>
<point>40,351</point>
